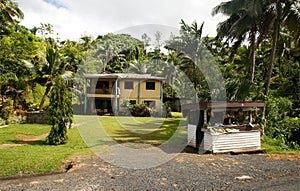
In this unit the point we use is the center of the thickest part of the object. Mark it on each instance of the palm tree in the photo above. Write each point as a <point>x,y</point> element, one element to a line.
<point>258,18</point>
<point>242,25</point>
<point>9,11</point>
<point>139,64</point>
<point>47,68</point>
<point>278,14</point>
<point>189,44</point>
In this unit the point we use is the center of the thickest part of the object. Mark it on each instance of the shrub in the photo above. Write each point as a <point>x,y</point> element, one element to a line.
<point>140,110</point>
<point>7,110</point>
<point>285,129</point>
<point>60,112</point>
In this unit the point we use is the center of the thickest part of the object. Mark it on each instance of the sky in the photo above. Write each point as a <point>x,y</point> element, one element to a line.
<point>72,19</point>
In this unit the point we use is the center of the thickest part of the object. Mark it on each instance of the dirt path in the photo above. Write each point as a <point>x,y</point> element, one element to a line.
<point>25,140</point>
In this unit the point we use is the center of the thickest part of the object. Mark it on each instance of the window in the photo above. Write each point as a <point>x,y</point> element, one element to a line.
<point>102,84</point>
<point>132,102</point>
<point>150,85</point>
<point>128,85</point>
<point>150,104</point>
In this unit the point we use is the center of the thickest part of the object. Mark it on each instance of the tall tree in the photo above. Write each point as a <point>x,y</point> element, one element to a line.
<point>19,45</point>
<point>241,25</point>
<point>9,12</point>
<point>110,53</point>
<point>190,45</point>
<point>60,111</point>
<point>278,14</point>
<point>47,66</point>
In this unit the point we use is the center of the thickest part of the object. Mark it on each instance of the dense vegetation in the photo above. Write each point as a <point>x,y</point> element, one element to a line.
<point>257,50</point>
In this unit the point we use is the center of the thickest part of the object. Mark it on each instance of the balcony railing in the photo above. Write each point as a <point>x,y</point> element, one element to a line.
<point>108,93</point>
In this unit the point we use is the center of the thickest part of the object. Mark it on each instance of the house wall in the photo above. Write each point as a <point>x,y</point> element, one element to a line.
<point>128,94</point>
<point>150,94</point>
<point>144,95</point>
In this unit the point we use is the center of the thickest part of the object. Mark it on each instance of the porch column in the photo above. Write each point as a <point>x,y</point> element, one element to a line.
<point>116,98</point>
<point>161,98</point>
<point>85,96</point>
<point>139,92</point>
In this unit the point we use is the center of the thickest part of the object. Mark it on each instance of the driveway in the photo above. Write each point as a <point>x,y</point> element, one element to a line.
<point>187,171</point>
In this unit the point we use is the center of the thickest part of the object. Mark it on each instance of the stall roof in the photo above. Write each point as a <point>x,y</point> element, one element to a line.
<point>227,105</point>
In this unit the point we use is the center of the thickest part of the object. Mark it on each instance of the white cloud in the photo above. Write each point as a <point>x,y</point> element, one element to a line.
<point>71,19</point>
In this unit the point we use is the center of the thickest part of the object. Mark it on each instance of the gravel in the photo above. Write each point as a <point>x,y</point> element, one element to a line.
<point>187,171</point>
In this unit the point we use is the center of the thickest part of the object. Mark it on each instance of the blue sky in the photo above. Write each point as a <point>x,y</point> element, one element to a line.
<point>55,3</point>
<point>73,18</point>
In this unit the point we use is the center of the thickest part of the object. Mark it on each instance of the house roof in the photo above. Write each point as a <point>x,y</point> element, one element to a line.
<point>125,76</point>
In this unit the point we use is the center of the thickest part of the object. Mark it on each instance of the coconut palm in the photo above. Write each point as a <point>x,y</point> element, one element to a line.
<point>242,25</point>
<point>258,20</point>
<point>47,67</point>
<point>9,11</point>
<point>189,44</point>
<point>278,14</point>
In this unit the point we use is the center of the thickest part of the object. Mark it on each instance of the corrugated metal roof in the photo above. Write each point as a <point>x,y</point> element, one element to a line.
<point>125,76</point>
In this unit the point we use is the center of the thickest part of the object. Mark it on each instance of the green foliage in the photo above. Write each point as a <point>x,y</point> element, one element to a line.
<point>9,12</point>
<point>289,77</point>
<point>2,121</point>
<point>282,128</point>
<point>277,145</point>
<point>60,111</point>
<point>110,52</point>
<point>15,78</point>
<point>35,97</point>
<point>277,109</point>
<point>6,111</point>
<point>141,110</point>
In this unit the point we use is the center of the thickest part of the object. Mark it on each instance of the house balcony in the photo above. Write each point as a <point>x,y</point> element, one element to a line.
<point>99,93</point>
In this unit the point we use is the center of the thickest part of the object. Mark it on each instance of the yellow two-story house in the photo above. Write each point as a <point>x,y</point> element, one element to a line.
<point>106,93</point>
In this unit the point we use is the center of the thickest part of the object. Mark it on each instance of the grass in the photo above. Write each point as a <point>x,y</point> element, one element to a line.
<point>7,134</point>
<point>36,157</point>
<point>274,146</point>
<point>83,118</point>
<point>143,129</point>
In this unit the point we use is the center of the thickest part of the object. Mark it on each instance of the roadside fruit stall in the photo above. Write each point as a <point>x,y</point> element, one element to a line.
<point>224,127</point>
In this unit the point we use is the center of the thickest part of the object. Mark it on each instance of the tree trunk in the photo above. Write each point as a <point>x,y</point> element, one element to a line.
<point>272,59</point>
<point>253,63</point>
<point>253,55</point>
<point>44,97</point>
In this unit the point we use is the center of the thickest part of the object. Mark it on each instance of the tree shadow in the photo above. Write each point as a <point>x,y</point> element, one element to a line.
<point>29,142</point>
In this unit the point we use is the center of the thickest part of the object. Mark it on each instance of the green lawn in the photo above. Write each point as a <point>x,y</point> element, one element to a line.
<point>7,134</point>
<point>143,129</point>
<point>36,157</point>
<point>83,118</point>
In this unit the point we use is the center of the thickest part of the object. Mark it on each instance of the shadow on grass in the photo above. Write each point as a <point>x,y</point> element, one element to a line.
<point>155,136</point>
<point>168,134</point>
<point>29,142</point>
